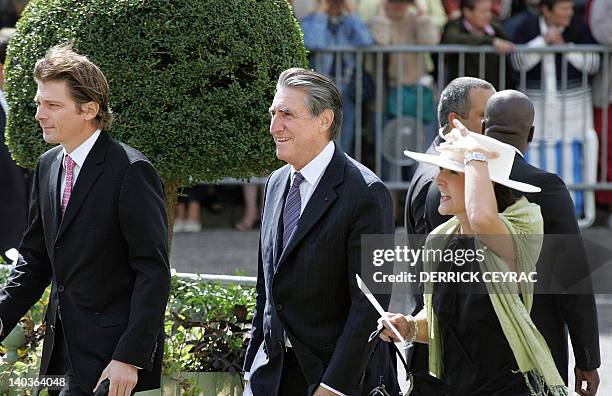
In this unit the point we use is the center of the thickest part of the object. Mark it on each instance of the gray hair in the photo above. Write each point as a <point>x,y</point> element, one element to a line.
<point>321,94</point>
<point>455,98</point>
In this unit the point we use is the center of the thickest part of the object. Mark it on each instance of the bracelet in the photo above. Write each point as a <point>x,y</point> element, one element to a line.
<point>410,340</point>
<point>474,156</point>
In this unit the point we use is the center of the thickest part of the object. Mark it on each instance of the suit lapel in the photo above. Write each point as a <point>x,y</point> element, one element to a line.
<point>320,201</point>
<point>89,173</point>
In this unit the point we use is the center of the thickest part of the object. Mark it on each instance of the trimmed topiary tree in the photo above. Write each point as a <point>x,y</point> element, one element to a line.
<point>190,80</point>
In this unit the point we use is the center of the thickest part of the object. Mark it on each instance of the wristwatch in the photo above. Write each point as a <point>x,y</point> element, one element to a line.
<point>474,156</point>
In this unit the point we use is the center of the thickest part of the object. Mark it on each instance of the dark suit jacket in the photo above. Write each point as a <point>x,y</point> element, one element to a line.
<point>309,289</point>
<point>106,260</point>
<point>552,313</point>
<point>15,182</point>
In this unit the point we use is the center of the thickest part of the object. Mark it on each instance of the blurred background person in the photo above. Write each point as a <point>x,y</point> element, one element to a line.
<point>14,180</point>
<point>368,9</point>
<point>601,27</point>
<point>403,22</point>
<point>564,113</point>
<point>188,210</point>
<point>250,218</point>
<point>334,23</point>
<point>476,27</point>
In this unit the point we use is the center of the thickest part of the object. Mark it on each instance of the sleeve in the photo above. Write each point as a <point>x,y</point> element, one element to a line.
<point>329,388</point>
<point>32,274</point>
<point>453,34</point>
<point>587,62</point>
<point>143,222</point>
<point>579,311</point>
<point>257,334</point>
<point>373,215</point>
<point>360,35</point>
<point>527,61</point>
<point>380,27</point>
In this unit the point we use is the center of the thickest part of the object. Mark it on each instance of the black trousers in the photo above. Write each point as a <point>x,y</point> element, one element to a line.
<point>293,382</point>
<point>60,365</point>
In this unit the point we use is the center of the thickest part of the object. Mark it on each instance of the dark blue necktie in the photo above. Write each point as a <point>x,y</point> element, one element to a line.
<point>293,207</point>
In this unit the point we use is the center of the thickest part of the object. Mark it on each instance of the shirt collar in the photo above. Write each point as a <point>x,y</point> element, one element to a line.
<point>79,154</point>
<point>313,171</point>
<point>488,29</point>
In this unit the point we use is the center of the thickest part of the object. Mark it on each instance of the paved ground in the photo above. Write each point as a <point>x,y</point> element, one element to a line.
<point>228,252</point>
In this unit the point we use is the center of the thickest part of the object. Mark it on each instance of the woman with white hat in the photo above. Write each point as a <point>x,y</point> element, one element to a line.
<point>481,338</point>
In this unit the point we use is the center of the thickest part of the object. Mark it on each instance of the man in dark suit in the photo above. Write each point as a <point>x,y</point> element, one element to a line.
<point>464,99</point>
<point>509,118</point>
<point>98,234</point>
<point>312,323</point>
<point>15,180</point>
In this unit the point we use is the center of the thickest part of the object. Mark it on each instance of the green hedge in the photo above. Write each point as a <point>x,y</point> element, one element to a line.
<point>191,80</point>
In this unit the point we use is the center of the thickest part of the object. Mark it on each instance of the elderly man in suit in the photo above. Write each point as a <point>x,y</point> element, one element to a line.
<point>509,118</point>
<point>312,323</point>
<point>97,234</point>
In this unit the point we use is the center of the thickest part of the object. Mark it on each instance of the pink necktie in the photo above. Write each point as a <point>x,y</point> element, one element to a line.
<point>69,166</point>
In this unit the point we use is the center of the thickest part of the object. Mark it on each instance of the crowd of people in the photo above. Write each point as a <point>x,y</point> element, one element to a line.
<point>552,84</point>
<point>502,24</point>
<point>498,23</point>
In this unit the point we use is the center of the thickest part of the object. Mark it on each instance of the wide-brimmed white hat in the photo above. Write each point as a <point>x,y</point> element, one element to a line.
<point>499,167</point>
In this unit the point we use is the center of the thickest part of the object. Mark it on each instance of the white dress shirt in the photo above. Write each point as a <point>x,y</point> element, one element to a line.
<point>78,155</point>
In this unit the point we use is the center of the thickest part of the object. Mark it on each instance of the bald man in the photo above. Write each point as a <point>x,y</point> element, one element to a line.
<point>509,118</point>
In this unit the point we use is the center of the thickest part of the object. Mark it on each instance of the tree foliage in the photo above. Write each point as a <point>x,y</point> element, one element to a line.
<point>190,80</point>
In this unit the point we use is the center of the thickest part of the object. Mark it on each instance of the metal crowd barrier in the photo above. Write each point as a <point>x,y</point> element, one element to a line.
<point>565,143</point>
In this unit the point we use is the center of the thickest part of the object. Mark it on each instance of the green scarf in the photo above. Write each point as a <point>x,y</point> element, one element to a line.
<point>532,354</point>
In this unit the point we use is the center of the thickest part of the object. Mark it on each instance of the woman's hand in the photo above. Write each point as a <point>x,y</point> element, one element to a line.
<point>401,323</point>
<point>458,141</point>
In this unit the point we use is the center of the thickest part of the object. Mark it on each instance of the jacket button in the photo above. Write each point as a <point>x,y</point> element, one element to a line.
<point>279,307</point>
<point>60,288</point>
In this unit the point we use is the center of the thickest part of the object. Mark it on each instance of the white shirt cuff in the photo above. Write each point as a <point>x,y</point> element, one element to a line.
<point>329,388</point>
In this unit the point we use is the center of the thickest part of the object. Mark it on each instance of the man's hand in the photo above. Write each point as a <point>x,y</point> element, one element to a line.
<point>321,391</point>
<point>123,378</point>
<point>503,46</point>
<point>591,378</point>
